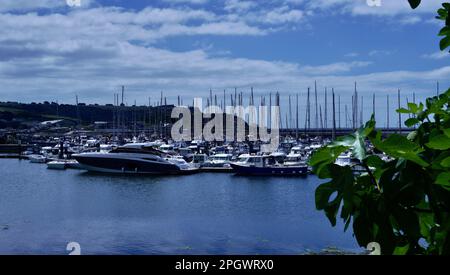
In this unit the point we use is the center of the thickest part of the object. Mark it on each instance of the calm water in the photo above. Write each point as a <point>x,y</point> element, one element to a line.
<point>42,210</point>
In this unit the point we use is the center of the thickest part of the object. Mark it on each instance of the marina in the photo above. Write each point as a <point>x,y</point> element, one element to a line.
<point>205,213</point>
<point>239,129</point>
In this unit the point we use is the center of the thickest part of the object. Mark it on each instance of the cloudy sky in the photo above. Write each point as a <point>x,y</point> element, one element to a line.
<point>52,51</point>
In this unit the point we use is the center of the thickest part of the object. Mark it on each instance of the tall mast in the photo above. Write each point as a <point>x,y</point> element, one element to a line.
<point>373,105</point>
<point>123,94</point>
<point>278,105</point>
<point>270,110</point>
<point>333,134</point>
<point>361,120</point>
<point>296,117</point>
<point>356,106</point>
<point>114,116</point>
<point>339,110</point>
<point>210,97</point>
<point>309,109</point>
<point>437,88</point>
<point>316,104</point>
<point>353,111</point>
<point>399,114</point>
<point>321,118</point>
<point>346,117</point>
<point>326,109</point>
<point>388,115</point>
<point>224,100</point>
<point>78,110</point>
<point>290,113</point>
<point>149,115</point>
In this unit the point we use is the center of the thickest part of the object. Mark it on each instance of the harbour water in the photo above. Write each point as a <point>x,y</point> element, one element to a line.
<point>42,210</point>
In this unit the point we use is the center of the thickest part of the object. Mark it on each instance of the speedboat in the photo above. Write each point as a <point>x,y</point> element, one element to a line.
<point>37,159</point>
<point>62,164</point>
<point>135,158</point>
<point>250,165</point>
<point>218,160</point>
<point>56,165</point>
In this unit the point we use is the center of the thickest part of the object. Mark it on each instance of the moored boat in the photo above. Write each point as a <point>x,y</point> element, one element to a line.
<point>56,165</point>
<point>134,159</point>
<point>266,166</point>
<point>37,159</point>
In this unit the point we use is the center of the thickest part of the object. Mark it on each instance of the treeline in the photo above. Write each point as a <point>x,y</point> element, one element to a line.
<point>13,113</point>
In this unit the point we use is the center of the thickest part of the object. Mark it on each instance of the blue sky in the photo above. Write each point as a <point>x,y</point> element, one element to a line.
<point>51,51</point>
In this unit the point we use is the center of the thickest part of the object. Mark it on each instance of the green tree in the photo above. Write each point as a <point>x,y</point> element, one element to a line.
<point>402,198</point>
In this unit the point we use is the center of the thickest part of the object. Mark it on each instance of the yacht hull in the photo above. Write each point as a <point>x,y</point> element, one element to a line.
<point>282,171</point>
<point>129,166</point>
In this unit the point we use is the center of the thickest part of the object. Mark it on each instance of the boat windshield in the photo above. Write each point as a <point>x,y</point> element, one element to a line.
<point>224,158</point>
<point>254,160</point>
<point>293,159</point>
<point>198,158</point>
<point>143,150</point>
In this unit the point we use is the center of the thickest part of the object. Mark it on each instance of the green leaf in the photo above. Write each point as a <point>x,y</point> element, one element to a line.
<point>415,108</point>
<point>447,132</point>
<point>426,222</point>
<point>342,179</point>
<point>356,141</point>
<point>399,146</point>
<point>414,3</point>
<point>323,193</point>
<point>403,111</point>
<point>445,31</point>
<point>446,162</point>
<point>401,250</point>
<point>443,13</point>
<point>374,161</point>
<point>411,122</point>
<point>443,180</point>
<point>439,142</point>
<point>326,155</point>
<point>445,43</point>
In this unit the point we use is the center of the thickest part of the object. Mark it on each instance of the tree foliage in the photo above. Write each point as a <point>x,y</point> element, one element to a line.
<point>402,198</point>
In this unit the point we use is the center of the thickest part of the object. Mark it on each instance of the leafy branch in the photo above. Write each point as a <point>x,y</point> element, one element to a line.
<point>401,196</point>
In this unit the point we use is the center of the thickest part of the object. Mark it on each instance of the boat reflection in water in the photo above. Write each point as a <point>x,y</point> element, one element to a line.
<point>135,158</point>
<point>266,166</point>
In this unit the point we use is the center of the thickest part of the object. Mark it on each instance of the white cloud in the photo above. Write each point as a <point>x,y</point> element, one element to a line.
<point>388,7</point>
<point>379,53</point>
<point>93,51</point>
<point>239,6</point>
<point>334,68</point>
<point>24,5</point>
<point>282,15</point>
<point>187,1</point>
<point>410,20</point>
<point>437,55</point>
<point>31,5</point>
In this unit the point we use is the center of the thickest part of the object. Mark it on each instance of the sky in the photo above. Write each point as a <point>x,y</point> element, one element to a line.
<point>52,50</point>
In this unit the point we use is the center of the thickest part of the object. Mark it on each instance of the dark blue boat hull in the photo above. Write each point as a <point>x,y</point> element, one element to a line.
<point>284,171</point>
